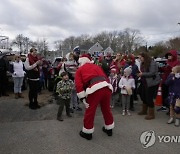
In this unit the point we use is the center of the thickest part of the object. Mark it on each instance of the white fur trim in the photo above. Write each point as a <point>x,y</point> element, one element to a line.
<point>98,86</point>
<point>88,131</point>
<point>83,60</point>
<point>109,126</point>
<point>81,94</point>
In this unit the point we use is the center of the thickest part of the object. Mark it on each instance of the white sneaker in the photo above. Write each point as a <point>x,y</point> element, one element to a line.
<point>177,123</point>
<point>123,113</point>
<point>171,120</point>
<point>128,113</point>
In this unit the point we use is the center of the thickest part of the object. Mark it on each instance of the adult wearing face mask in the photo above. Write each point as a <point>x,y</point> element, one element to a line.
<point>172,61</point>
<point>32,66</point>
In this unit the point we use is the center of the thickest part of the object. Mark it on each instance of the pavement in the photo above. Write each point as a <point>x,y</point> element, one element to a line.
<point>25,131</point>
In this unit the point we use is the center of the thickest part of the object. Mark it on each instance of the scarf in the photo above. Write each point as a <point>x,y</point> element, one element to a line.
<point>32,60</point>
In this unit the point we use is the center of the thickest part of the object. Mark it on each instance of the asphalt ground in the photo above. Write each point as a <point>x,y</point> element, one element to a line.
<point>26,131</point>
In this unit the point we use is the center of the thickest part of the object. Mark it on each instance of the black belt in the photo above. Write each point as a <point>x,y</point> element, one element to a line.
<point>96,79</point>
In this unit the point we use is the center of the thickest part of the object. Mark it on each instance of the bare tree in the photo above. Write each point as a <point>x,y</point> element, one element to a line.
<point>42,46</point>
<point>22,42</point>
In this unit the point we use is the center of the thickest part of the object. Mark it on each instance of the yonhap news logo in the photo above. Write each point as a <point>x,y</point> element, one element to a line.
<point>148,139</point>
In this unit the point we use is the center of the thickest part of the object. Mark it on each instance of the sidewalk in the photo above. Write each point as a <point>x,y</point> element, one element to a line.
<point>25,131</point>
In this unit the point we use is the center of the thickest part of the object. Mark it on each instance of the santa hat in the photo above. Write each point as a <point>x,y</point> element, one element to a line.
<point>85,58</point>
<point>113,70</point>
<point>128,71</point>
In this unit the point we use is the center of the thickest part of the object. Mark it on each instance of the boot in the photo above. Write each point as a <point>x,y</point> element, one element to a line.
<point>85,135</point>
<point>150,114</point>
<point>68,112</point>
<point>60,118</point>
<point>31,106</point>
<point>16,96</point>
<point>37,105</point>
<point>177,122</point>
<point>108,132</point>
<point>144,110</point>
<point>20,95</point>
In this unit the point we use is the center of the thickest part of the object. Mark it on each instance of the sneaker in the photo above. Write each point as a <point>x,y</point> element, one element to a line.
<point>123,113</point>
<point>177,122</point>
<point>128,113</point>
<point>171,120</point>
<point>163,109</point>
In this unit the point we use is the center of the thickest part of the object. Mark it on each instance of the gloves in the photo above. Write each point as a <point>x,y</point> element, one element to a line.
<point>85,103</point>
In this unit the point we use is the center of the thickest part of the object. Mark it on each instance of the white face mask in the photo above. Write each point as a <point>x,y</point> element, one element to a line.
<point>177,75</point>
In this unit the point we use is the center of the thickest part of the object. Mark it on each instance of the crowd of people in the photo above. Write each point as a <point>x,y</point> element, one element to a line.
<point>101,80</point>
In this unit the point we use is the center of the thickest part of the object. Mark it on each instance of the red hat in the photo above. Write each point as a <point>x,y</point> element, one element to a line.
<point>113,70</point>
<point>85,58</point>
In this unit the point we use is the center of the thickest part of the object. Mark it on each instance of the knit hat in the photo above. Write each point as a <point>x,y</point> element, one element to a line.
<point>85,58</point>
<point>128,71</point>
<point>76,50</point>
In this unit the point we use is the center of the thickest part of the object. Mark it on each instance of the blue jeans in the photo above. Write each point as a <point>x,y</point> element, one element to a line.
<point>18,81</point>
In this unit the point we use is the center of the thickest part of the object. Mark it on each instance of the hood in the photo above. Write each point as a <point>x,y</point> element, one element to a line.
<point>174,60</point>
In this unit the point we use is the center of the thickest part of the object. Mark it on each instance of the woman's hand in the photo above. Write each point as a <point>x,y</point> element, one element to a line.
<point>139,74</point>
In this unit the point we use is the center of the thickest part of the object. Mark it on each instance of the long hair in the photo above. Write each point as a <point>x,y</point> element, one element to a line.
<point>147,61</point>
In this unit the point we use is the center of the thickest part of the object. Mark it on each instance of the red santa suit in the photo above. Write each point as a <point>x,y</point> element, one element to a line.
<point>92,84</point>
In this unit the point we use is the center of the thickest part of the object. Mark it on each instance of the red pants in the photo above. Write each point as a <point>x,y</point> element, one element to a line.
<point>100,97</point>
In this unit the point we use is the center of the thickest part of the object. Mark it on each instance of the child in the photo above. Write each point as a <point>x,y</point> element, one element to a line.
<point>113,78</point>
<point>173,81</point>
<point>64,90</point>
<point>126,84</point>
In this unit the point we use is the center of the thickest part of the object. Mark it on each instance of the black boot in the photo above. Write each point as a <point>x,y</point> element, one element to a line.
<point>85,135</point>
<point>37,105</point>
<point>60,118</point>
<point>32,106</point>
<point>108,132</point>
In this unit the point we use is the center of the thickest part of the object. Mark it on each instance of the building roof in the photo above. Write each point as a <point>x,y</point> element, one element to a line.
<point>108,50</point>
<point>96,47</point>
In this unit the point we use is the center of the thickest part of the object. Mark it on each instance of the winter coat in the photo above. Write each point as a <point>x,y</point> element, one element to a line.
<point>152,76</point>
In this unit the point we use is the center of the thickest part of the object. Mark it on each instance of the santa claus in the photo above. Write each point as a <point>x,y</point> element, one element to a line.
<point>93,89</point>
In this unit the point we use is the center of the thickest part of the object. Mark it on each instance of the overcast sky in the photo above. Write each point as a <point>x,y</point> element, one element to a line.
<point>57,19</point>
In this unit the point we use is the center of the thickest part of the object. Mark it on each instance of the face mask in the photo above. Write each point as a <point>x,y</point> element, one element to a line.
<point>177,75</point>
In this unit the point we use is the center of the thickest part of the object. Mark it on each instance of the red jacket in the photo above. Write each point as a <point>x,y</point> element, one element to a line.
<point>170,64</point>
<point>83,77</point>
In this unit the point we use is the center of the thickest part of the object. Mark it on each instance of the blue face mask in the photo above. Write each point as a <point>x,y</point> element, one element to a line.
<point>177,75</point>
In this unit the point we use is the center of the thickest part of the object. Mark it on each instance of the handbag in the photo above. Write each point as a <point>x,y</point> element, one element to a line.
<point>177,102</point>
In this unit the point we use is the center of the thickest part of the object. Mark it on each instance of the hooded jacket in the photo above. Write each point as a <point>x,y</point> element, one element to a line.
<point>170,64</point>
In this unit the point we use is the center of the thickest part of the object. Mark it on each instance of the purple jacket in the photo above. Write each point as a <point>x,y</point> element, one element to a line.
<point>174,85</point>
